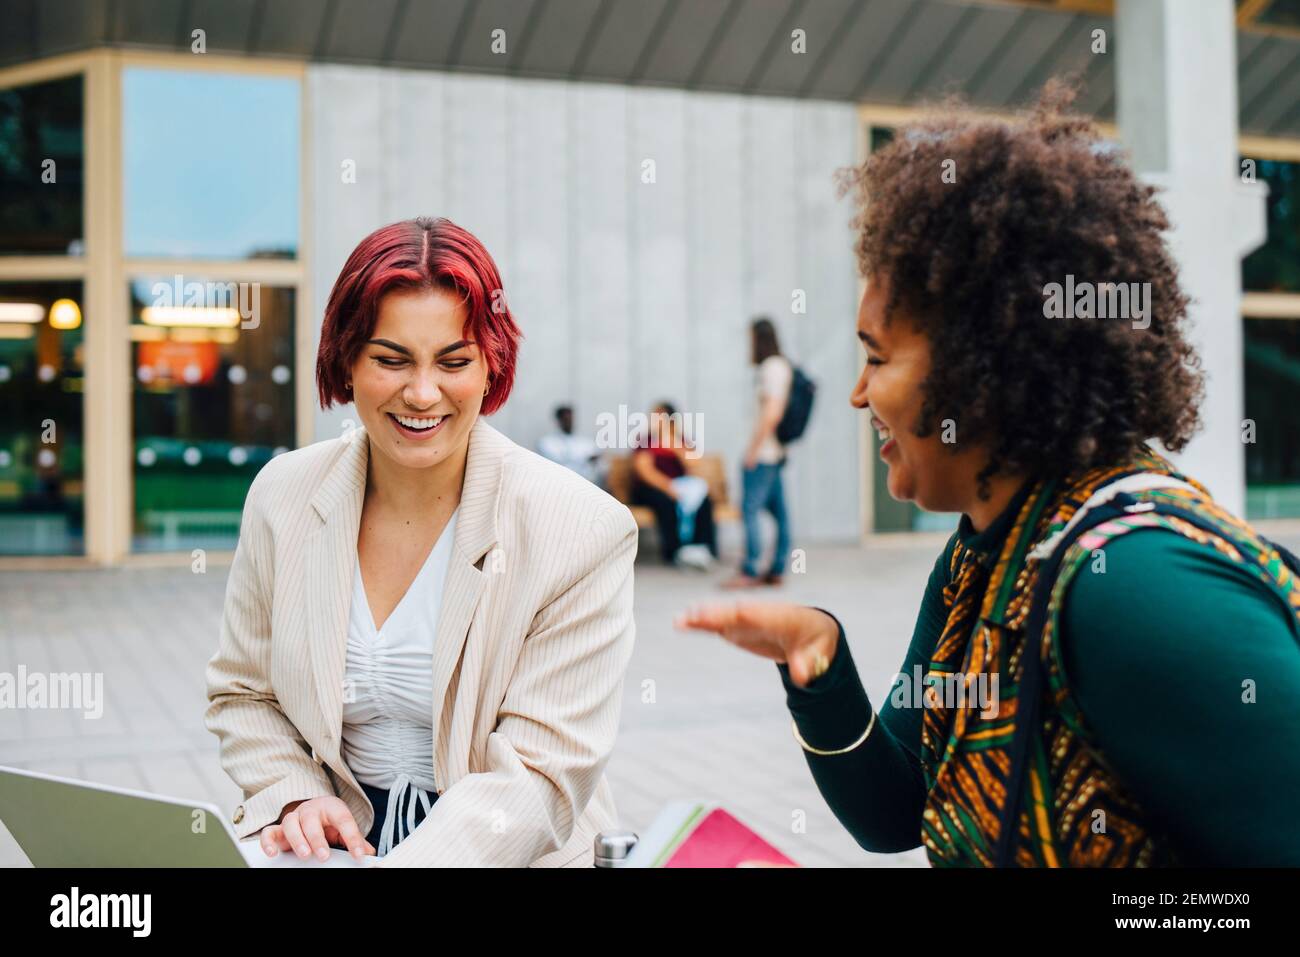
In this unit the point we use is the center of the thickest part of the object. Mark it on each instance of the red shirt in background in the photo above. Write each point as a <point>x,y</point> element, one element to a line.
<point>665,459</point>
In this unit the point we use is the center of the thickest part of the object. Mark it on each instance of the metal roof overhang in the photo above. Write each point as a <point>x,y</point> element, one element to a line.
<point>895,52</point>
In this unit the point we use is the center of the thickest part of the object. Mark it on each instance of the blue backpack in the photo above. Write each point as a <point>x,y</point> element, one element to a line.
<point>798,408</point>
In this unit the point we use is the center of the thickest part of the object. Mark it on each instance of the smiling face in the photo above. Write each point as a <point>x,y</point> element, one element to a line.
<point>417,383</point>
<point>891,389</point>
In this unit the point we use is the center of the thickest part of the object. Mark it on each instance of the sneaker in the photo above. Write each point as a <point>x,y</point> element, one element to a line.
<point>741,580</point>
<point>694,556</point>
<point>771,579</point>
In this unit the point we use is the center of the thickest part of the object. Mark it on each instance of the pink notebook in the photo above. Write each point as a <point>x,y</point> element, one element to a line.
<point>714,838</point>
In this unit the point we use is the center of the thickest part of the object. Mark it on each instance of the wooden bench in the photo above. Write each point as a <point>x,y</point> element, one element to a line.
<point>708,467</point>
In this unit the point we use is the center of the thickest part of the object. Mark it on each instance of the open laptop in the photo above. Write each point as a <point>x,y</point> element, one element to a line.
<point>59,822</point>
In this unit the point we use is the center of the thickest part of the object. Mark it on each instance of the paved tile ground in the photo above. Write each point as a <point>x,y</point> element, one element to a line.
<point>716,729</point>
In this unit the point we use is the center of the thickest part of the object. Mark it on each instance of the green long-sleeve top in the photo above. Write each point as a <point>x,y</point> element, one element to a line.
<point>1156,652</point>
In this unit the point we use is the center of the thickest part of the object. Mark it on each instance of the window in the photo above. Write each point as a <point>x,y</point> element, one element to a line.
<point>891,515</point>
<point>210,165</point>
<point>1275,266</point>
<point>42,158</point>
<point>1272,357</point>
<point>210,182</point>
<point>213,402</point>
<point>41,384</point>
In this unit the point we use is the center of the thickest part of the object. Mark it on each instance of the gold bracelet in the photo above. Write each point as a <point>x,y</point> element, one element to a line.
<point>811,750</point>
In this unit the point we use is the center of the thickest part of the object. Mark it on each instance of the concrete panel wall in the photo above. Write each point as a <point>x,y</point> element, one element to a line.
<point>628,290</point>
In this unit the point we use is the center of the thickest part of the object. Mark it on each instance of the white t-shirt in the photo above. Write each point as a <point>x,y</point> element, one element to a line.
<point>388,690</point>
<point>775,374</point>
<point>572,451</point>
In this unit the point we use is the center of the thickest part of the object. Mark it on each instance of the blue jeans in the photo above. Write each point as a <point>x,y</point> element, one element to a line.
<point>761,489</point>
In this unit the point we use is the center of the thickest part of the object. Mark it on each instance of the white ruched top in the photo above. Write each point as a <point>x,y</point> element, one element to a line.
<point>388,692</point>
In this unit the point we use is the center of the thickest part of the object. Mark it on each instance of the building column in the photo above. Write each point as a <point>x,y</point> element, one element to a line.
<point>109,459</point>
<point>1176,82</point>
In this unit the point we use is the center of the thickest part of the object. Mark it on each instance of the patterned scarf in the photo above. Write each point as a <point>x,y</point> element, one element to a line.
<point>965,751</point>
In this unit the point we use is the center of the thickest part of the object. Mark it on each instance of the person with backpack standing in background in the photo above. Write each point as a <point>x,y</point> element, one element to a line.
<point>765,455</point>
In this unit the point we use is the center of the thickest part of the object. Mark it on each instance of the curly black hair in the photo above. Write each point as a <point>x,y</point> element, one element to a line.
<point>971,255</point>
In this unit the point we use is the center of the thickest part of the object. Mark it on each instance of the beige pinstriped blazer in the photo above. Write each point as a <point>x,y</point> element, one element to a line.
<point>533,641</point>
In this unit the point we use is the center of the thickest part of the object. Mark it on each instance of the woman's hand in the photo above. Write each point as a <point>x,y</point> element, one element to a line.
<point>312,826</point>
<point>802,638</point>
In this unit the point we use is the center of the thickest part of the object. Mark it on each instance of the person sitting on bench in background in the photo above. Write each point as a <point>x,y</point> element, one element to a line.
<point>681,503</point>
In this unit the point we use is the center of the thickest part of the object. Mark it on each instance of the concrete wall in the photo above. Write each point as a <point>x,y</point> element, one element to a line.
<point>627,292</point>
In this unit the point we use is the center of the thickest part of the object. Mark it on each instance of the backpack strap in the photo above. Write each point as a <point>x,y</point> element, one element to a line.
<point>1111,501</point>
<point>1030,690</point>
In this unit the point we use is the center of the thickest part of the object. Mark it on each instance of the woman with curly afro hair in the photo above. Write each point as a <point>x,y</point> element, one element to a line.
<point>1105,663</point>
